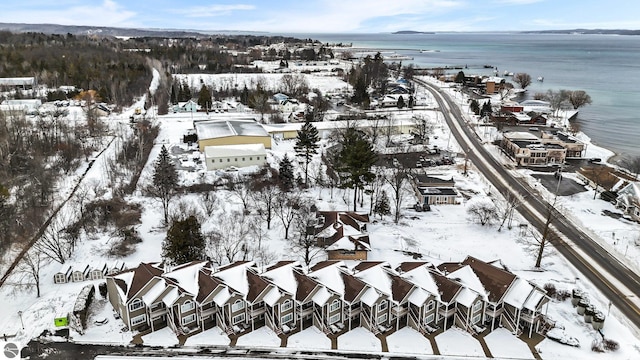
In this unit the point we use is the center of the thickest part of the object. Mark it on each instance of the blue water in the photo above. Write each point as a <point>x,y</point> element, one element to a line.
<point>607,67</point>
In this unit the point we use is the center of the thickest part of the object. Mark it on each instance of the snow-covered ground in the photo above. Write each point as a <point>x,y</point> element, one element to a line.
<point>309,339</point>
<point>444,234</point>
<point>408,341</point>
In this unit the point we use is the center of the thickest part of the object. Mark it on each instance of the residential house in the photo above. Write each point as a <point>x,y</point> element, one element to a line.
<point>354,247</point>
<point>332,226</point>
<point>432,189</point>
<point>285,296</point>
<point>186,107</point>
<point>628,200</point>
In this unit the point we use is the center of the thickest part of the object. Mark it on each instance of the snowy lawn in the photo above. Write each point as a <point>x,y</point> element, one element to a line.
<point>310,338</point>
<point>213,336</point>
<point>164,337</point>
<point>259,337</point>
<point>407,340</point>
<point>96,333</point>
<point>359,339</point>
<point>457,342</point>
<point>502,343</point>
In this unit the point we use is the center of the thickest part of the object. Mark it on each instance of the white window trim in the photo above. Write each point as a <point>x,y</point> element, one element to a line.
<point>132,306</point>
<point>237,319</point>
<point>137,320</point>
<point>334,318</point>
<point>237,306</point>
<point>430,306</point>
<point>382,318</point>
<point>335,302</point>
<point>286,318</point>
<point>429,318</point>
<point>476,319</point>
<point>286,305</point>
<point>187,306</point>
<point>384,304</point>
<point>477,306</point>
<point>188,319</point>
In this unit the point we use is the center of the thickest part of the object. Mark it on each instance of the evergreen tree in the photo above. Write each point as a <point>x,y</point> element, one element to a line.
<point>411,102</point>
<point>184,242</point>
<point>306,146</point>
<point>244,95</point>
<point>204,98</point>
<point>354,161</point>
<point>459,77</point>
<point>165,180</point>
<point>486,109</point>
<point>286,173</point>
<point>474,106</point>
<point>382,206</point>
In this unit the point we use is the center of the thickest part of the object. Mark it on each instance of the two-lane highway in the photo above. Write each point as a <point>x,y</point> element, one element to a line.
<point>619,283</point>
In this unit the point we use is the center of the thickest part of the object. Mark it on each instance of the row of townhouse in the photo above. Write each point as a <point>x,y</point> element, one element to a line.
<point>333,297</point>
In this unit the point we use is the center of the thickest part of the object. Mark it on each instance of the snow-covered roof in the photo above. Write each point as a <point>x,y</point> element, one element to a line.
<point>17,81</point>
<point>212,129</point>
<point>421,276</point>
<point>171,296</point>
<point>466,297</point>
<point>345,243</point>
<point>418,297</point>
<point>321,296</point>
<point>234,150</point>
<point>235,276</point>
<point>375,276</point>
<point>330,276</point>
<point>187,276</point>
<point>272,297</point>
<point>534,299</point>
<point>156,290</point>
<point>519,135</point>
<point>283,277</point>
<point>467,277</point>
<point>369,297</point>
<point>518,293</point>
<point>222,296</point>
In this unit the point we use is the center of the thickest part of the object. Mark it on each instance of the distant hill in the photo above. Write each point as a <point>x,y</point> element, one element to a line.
<point>587,32</point>
<point>405,32</point>
<point>102,30</point>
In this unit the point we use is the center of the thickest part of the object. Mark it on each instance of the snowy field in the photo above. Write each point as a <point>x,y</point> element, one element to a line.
<point>444,234</point>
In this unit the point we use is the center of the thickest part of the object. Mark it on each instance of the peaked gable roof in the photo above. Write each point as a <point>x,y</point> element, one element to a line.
<point>495,280</point>
<point>132,281</point>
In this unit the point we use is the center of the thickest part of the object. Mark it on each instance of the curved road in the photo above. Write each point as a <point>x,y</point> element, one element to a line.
<point>619,283</point>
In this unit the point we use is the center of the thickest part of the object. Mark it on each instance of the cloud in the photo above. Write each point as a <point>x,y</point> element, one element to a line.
<point>108,13</point>
<point>213,10</point>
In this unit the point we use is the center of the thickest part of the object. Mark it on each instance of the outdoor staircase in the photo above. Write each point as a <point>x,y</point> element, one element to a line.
<point>509,322</point>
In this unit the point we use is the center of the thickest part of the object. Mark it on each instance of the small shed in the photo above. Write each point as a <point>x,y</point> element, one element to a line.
<point>63,276</point>
<point>98,273</point>
<point>80,275</point>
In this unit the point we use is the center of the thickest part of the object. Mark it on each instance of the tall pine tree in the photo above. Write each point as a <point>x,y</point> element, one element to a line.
<point>286,173</point>
<point>306,146</point>
<point>354,161</point>
<point>165,180</point>
<point>184,242</point>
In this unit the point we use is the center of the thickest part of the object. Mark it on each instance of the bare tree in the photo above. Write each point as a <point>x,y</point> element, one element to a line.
<point>507,209</point>
<point>229,241</point>
<point>397,179</point>
<point>632,164</point>
<point>265,192</point>
<point>237,186</point>
<point>557,99</point>
<point>183,209</point>
<point>259,100</point>
<point>303,241</point>
<point>482,210</point>
<point>579,98</point>
<point>28,270</point>
<point>54,244</point>
<point>522,79</point>
<point>208,202</point>
<point>422,127</point>
<point>287,204</point>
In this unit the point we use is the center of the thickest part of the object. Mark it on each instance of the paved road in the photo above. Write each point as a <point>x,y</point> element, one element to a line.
<point>619,283</point>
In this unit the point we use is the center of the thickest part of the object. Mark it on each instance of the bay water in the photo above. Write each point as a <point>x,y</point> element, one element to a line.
<point>607,67</point>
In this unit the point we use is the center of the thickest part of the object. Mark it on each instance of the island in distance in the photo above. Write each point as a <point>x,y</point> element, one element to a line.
<point>403,32</point>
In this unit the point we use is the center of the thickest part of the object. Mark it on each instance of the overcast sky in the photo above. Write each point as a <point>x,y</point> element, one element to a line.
<point>331,16</point>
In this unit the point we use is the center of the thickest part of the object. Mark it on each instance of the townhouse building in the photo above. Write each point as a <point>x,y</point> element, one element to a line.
<point>331,295</point>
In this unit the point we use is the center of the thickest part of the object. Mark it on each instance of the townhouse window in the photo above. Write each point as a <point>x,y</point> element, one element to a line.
<point>188,319</point>
<point>477,306</point>
<point>250,158</point>
<point>429,319</point>
<point>286,305</point>
<point>335,305</point>
<point>286,319</point>
<point>237,306</point>
<point>187,306</point>
<point>476,319</point>
<point>238,319</point>
<point>383,305</point>
<point>430,305</point>
<point>382,318</point>
<point>257,157</point>
<point>136,304</point>
<point>138,319</point>
<point>242,159</point>
<point>334,319</point>
<point>228,160</point>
